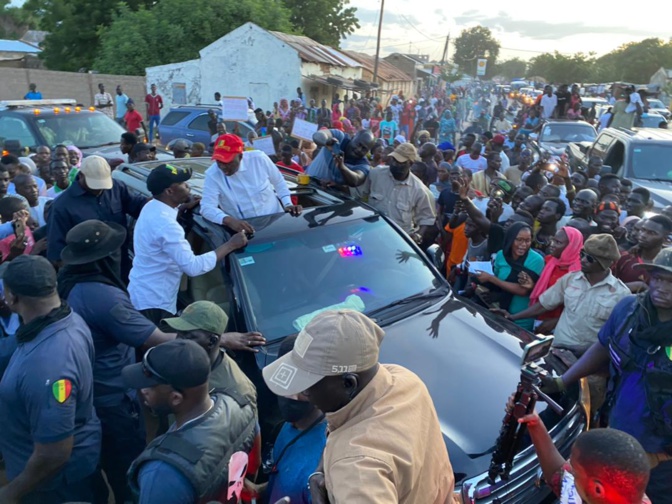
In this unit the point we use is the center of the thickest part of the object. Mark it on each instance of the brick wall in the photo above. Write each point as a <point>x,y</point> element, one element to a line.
<point>79,86</point>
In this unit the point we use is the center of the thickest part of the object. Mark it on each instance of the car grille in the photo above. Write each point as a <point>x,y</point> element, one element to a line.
<point>523,485</point>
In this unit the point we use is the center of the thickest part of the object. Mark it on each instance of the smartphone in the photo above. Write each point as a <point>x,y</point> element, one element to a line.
<point>537,349</point>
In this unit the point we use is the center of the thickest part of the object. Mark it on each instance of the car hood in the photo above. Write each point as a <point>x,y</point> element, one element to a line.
<point>470,363</point>
<point>661,191</point>
<point>555,148</point>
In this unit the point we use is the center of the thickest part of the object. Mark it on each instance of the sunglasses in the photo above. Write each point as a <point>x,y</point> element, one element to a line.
<point>588,257</point>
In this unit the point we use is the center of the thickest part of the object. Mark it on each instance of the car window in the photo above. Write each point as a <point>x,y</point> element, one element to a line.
<point>85,130</point>
<point>601,145</point>
<point>200,123</point>
<point>615,156</point>
<point>567,132</point>
<point>173,117</point>
<point>16,128</point>
<point>652,162</point>
<point>363,265</point>
<point>238,128</point>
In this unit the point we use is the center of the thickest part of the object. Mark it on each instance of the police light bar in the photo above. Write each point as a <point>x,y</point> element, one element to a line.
<point>37,103</point>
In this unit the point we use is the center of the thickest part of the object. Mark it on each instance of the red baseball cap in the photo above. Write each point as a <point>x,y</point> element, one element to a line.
<point>498,139</point>
<point>227,147</point>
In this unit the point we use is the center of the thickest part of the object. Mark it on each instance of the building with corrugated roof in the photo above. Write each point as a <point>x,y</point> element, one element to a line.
<point>18,54</point>
<point>266,66</point>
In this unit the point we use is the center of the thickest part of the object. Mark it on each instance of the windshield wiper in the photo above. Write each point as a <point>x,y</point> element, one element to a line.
<point>421,296</point>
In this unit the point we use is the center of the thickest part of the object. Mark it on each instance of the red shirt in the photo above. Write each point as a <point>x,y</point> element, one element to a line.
<point>133,120</point>
<point>6,244</point>
<point>292,166</point>
<point>155,103</point>
<point>625,271</point>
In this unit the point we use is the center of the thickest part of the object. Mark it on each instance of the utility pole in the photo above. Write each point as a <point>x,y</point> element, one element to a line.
<point>380,29</point>
<point>444,58</point>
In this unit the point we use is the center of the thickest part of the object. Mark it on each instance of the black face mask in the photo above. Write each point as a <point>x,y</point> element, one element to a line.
<point>293,411</point>
<point>399,172</point>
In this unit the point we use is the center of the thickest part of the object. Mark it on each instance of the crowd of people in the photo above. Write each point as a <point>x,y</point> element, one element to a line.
<point>108,389</point>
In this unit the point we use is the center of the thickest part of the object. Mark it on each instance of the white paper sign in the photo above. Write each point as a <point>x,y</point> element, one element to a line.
<point>303,130</point>
<point>264,144</point>
<point>234,108</point>
<point>475,266</point>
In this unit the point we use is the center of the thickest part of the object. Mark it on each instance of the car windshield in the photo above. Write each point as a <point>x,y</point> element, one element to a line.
<point>652,120</point>
<point>653,162</point>
<point>362,264</point>
<point>567,132</point>
<point>85,130</point>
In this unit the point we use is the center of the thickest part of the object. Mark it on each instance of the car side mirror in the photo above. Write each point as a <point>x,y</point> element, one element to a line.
<point>606,170</point>
<point>437,256</point>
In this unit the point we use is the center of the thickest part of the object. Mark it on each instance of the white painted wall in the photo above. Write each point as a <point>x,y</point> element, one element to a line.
<point>249,61</point>
<point>186,72</point>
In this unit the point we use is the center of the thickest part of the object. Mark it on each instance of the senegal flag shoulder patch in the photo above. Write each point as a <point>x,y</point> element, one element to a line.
<point>61,390</point>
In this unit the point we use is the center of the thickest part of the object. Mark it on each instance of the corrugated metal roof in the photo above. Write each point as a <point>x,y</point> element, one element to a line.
<point>386,71</point>
<point>314,52</point>
<point>18,47</point>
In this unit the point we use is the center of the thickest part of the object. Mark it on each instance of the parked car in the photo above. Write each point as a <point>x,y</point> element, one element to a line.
<point>342,250</point>
<point>555,136</point>
<point>641,155</point>
<point>62,121</point>
<point>655,105</point>
<point>652,120</point>
<point>191,123</point>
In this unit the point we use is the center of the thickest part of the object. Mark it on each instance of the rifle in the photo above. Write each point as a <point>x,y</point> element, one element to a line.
<point>525,399</point>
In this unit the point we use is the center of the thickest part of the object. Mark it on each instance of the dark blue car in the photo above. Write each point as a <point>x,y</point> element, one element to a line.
<point>191,123</point>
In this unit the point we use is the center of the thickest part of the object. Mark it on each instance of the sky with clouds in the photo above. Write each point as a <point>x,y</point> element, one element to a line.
<point>524,29</point>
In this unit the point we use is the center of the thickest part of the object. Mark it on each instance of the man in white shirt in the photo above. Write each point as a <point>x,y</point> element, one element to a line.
<point>473,161</point>
<point>240,186</point>
<point>26,186</point>
<point>104,102</point>
<point>549,103</point>
<point>162,253</point>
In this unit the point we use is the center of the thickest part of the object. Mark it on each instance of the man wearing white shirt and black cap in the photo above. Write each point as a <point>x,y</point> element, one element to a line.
<point>240,186</point>
<point>162,253</point>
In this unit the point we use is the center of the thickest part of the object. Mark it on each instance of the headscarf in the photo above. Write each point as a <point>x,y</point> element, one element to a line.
<point>569,260</point>
<point>517,265</point>
<point>72,148</point>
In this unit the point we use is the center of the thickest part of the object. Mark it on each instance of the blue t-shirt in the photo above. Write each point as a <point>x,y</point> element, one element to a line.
<point>121,100</point>
<point>388,130</point>
<point>324,167</point>
<point>46,396</point>
<point>299,461</point>
<point>30,95</point>
<point>117,329</point>
<point>161,483</point>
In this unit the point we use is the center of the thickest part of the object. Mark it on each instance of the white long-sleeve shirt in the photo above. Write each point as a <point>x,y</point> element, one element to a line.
<point>247,193</point>
<point>162,255</point>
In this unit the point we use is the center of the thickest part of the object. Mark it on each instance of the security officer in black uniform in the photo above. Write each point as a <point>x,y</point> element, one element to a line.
<point>50,435</point>
<point>636,343</point>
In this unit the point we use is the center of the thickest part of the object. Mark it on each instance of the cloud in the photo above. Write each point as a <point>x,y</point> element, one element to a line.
<point>542,30</point>
<point>391,18</point>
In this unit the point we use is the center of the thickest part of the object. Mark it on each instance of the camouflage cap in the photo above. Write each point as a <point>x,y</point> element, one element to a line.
<point>662,262</point>
<point>201,315</point>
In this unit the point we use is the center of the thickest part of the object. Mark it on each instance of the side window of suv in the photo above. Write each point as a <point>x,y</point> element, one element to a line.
<point>173,117</point>
<point>601,145</point>
<point>615,156</point>
<point>200,123</point>
<point>15,128</point>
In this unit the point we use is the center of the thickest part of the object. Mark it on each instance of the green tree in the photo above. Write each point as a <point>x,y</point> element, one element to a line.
<point>511,69</point>
<point>635,62</point>
<point>559,68</point>
<point>474,43</point>
<point>163,34</point>
<point>73,26</point>
<point>326,21</point>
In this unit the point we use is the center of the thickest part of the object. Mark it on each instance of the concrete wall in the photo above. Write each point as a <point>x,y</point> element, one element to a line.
<point>250,61</point>
<point>79,86</point>
<point>167,77</point>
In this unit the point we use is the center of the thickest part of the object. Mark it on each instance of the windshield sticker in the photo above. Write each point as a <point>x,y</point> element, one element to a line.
<point>638,150</point>
<point>329,248</point>
<point>246,261</point>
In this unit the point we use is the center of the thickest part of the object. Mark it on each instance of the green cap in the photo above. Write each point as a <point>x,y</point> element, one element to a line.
<point>662,262</point>
<point>203,315</point>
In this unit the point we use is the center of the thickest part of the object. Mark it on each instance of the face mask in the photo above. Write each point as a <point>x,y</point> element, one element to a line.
<point>293,411</point>
<point>399,172</point>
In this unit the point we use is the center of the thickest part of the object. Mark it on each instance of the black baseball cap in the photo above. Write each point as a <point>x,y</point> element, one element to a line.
<point>180,363</point>
<point>165,175</point>
<point>30,275</point>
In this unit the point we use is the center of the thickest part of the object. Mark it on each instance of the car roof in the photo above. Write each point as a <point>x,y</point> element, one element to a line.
<point>335,207</point>
<point>657,135</point>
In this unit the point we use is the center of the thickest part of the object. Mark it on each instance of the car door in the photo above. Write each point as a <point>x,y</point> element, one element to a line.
<point>198,130</point>
<point>171,127</point>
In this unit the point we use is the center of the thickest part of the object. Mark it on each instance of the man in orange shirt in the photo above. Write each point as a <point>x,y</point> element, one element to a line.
<point>133,118</point>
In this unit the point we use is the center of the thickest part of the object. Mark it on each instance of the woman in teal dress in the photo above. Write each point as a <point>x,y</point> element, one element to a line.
<point>515,258</point>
